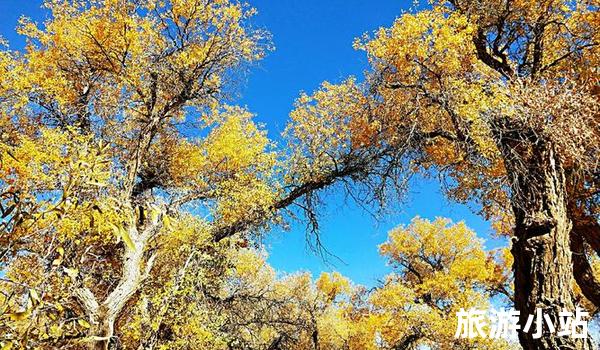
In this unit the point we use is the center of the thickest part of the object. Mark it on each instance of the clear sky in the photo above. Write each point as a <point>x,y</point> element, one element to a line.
<point>313,42</point>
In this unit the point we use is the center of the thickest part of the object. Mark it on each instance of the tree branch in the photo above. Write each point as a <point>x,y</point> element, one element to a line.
<point>583,272</point>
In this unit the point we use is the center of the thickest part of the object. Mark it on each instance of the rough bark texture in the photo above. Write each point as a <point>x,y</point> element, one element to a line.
<point>110,309</point>
<point>541,248</point>
<point>136,267</point>
<point>584,274</point>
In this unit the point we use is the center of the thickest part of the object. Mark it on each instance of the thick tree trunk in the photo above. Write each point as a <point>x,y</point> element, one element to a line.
<point>112,306</point>
<point>136,268</point>
<point>104,331</point>
<point>541,249</point>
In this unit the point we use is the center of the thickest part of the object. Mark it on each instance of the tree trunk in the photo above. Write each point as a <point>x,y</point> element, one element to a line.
<point>541,248</point>
<point>135,270</point>
<point>104,331</point>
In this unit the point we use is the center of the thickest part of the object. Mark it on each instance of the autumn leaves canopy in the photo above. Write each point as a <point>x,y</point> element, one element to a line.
<point>131,193</point>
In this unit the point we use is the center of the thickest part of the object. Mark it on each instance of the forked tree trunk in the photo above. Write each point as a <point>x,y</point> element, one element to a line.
<point>542,256</point>
<point>104,331</point>
<point>103,315</point>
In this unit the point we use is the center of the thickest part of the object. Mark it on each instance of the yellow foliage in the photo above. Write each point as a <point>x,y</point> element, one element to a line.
<point>332,285</point>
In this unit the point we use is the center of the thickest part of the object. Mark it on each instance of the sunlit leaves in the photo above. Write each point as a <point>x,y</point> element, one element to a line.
<point>440,267</point>
<point>97,167</point>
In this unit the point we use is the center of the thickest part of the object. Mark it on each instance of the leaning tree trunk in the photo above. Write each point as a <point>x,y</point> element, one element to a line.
<point>541,248</point>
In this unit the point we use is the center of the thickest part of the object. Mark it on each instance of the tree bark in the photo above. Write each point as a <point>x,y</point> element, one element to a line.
<point>541,247</point>
<point>130,281</point>
<point>136,268</point>
<point>583,271</point>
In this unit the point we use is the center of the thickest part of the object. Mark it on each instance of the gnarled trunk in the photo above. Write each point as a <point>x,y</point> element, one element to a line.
<point>541,249</point>
<point>136,268</point>
<point>133,274</point>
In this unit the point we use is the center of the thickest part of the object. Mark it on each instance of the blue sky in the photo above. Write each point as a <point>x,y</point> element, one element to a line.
<point>313,41</point>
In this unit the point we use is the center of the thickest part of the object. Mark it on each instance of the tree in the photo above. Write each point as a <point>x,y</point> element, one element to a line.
<point>439,267</point>
<point>128,187</point>
<point>501,99</point>
<point>115,141</point>
<point>126,180</point>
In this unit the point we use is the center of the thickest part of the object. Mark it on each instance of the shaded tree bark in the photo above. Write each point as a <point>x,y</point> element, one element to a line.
<point>541,244</point>
<point>584,274</point>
